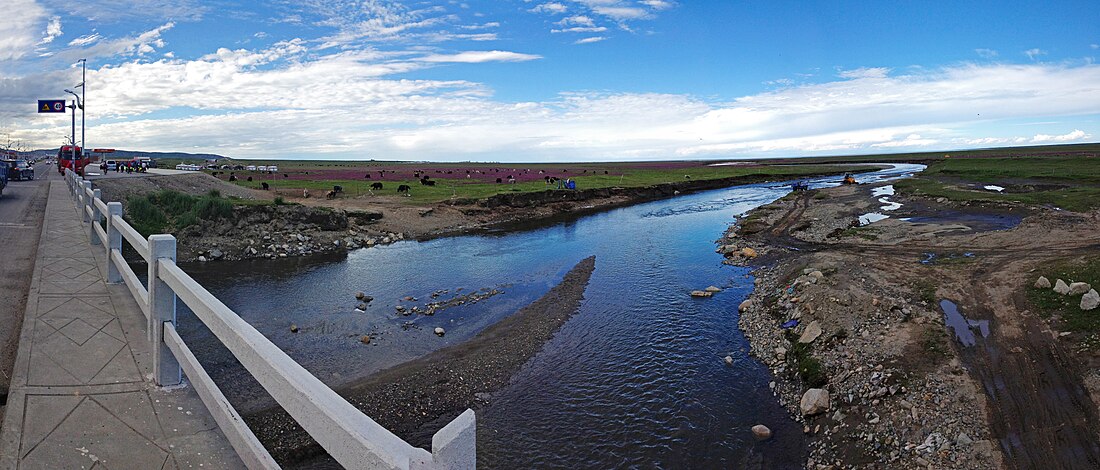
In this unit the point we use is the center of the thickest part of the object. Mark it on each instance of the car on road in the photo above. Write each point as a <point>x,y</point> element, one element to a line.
<point>19,170</point>
<point>3,177</point>
<point>112,165</point>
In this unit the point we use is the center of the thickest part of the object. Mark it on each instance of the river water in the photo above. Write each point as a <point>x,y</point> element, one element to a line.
<point>634,379</point>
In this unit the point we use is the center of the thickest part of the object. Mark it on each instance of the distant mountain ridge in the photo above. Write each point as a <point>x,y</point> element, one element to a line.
<point>128,154</point>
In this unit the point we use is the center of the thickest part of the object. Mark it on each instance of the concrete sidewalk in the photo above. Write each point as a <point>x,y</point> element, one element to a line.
<point>81,392</point>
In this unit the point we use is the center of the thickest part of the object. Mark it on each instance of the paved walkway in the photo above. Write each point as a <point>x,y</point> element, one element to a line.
<point>81,393</point>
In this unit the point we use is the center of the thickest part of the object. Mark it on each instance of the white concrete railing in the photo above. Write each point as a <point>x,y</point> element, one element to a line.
<point>349,436</point>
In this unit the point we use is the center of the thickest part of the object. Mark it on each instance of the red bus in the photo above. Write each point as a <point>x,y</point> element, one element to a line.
<point>65,160</point>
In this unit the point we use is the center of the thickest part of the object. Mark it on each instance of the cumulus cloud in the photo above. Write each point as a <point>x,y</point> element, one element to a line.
<point>53,30</point>
<point>1076,135</point>
<point>20,28</point>
<point>550,7</point>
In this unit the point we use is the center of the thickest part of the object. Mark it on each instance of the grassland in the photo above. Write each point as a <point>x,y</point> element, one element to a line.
<point>1050,303</point>
<point>1070,182</point>
<point>170,211</point>
<point>321,177</point>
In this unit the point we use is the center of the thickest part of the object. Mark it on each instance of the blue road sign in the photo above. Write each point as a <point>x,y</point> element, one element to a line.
<point>51,106</point>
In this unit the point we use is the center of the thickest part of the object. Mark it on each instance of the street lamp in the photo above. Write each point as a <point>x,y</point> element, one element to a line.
<point>76,104</point>
<point>84,95</point>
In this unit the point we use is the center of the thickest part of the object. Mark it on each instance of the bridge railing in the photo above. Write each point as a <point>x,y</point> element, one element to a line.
<point>349,436</point>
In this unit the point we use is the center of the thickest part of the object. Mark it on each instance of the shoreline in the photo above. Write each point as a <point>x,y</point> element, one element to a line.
<point>416,398</point>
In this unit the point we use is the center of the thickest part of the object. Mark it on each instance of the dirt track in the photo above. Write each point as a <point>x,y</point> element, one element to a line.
<point>1037,408</point>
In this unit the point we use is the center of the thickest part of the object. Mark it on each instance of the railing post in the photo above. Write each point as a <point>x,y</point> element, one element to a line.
<point>455,446</point>
<point>162,309</point>
<point>113,242</point>
<point>97,217</point>
<point>84,188</point>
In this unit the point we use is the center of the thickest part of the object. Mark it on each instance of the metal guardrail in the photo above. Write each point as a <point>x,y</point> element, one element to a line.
<point>349,436</point>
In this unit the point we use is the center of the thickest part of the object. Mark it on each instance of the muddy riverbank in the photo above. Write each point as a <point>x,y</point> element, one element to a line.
<point>857,310</point>
<point>416,398</point>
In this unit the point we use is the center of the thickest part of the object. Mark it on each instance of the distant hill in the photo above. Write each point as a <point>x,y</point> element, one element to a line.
<point>128,154</point>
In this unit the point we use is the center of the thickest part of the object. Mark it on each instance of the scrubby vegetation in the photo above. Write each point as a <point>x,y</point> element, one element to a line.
<point>170,211</point>
<point>1067,308</point>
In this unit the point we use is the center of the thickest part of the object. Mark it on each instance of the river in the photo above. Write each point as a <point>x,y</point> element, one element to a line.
<point>634,379</point>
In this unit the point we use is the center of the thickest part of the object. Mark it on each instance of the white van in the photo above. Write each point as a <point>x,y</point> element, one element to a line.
<point>112,165</point>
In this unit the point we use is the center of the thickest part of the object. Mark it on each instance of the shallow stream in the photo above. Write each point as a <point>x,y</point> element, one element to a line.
<point>634,379</point>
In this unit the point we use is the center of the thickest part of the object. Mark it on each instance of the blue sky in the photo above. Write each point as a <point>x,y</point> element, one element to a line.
<point>532,80</point>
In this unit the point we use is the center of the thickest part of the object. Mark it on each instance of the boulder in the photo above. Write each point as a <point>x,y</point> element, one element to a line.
<point>813,330</point>
<point>1079,288</point>
<point>814,401</point>
<point>816,275</point>
<point>361,306</point>
<point>216,253</point>
<point>1042,283</point>
<point>761,432</point>
<point>748,252</point>
<point>1090,301</point>
<point>747,304</point>
<point>202,259</point>
<point>1061,287</point>
<point>712,289</point>
<point>729,360</point>
<point>440,332</point>
<point>700,293</point>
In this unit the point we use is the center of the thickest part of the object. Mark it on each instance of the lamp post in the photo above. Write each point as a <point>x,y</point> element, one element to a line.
<point>77,104</point>
<point>84,95</point>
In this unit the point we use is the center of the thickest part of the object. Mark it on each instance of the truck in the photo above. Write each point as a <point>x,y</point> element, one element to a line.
<point>68,158</point>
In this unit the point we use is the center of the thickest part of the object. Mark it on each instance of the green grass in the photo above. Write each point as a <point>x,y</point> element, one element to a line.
<point>1049,303</point>
<point>1079,174</point>
<point>170,211</point>
<point>866,233</point>
<point>809,368</point>
<point>925,290</point>
<point>626,177</point>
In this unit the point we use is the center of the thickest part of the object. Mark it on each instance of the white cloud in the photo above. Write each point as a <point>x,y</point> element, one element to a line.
<point>476,57</point>
<point>1094,46</point>
<point>590,40</point>
<point>580,29</point>
<point>85,40</point>
<point>864,72</point>
<point>1077,134</point>
<point>20,27</point>
<point>550,7</point>
<point>53,30</point>
<point>580,20</point>
<point>986,53</point>
<point>1033,53</point>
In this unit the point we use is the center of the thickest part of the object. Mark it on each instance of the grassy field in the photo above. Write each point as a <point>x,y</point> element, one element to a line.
<point>170,211</point>
<point>1070,182</point>
<point>1049,303</point>
<point>319,178</point>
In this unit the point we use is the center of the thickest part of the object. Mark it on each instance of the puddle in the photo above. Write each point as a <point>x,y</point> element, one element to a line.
<point>932,258</point>
<point>961,326</point>
<point>887,205</point>
<point>978,222</point>
<point>993,187</point>
<point>887,190</point>
<point>871,217</point>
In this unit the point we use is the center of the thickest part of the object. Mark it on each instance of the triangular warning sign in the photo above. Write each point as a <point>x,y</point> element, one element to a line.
<point>45,106</point>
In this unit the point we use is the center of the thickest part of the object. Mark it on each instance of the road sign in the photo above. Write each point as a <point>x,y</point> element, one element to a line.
<point>51,106</point>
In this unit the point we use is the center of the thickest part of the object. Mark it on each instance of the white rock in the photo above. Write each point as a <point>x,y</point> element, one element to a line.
<point>729,360</point>
<point>440,331</point>
<point>202,258</point>
<point>814,401</point>
<point>1078,288</point>
<point>1061,287</point>
<point>761,432</point>
<point>1042,283</point>
<point>744,305</point>
<point>1090,300</point>
<point>811,333</point>
<point>712,289</point>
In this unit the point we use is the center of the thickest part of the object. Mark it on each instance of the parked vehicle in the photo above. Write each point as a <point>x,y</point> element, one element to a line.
<point>112,165</point>
<point>65,159</point>
<point>3,177</point>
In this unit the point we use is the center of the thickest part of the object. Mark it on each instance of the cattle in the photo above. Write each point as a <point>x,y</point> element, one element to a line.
<point>249,178</point>
<point>286,175</point>
<point>265,186</point>
<point>367,176</point>
<point>605,172</point>
<point>330,195</point>
<point>499,180</point>
<point>232,177</point>
<point>337,189</point>
<point>404,189</point>
<point>429,182</point>
<point>687,177</point>
<point>376,186</point>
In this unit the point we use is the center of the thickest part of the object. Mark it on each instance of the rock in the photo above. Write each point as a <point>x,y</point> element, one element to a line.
<point>360,295</point>
<point>712,289</point>
<point>963,440</point>
<point>761,432</point>
<point>202,259</point>
<point>365,339</point>
<point>216,253</point>
<point>1090,300</point>
<point>361,307</point>
<point>747,304</point>
<point>748,252</point>
<point>817,275</point>
<point>699,293</point>
<point>440,332</point>
<point>1061,287</point>
<point>814,401</point>
<point>1078,288</point>
<point>781,352</point>
<point>813,330</point>
<point>1042,283</point>
<point>729,360</point>
<point>293,328</point>
<point>483,396</point>
<point>399,308</point>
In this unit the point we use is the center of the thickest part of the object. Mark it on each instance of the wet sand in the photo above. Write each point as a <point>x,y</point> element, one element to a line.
<point>417,398</point>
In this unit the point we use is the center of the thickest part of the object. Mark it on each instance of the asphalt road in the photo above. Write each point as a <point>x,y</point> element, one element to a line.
<point>22,208</point>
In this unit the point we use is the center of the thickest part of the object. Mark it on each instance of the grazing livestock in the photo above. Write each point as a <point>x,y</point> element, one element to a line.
<point>376,186</point>
<point>337,189</point>
<point>286,175</point>
<point>429,182</point>
<point>265,186</point>
<point>367,176</point>
<point>232,177</point>
<point>330,195</point>
<point>499,180</point>
<point>404,189</point>
<point>249,178</point>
